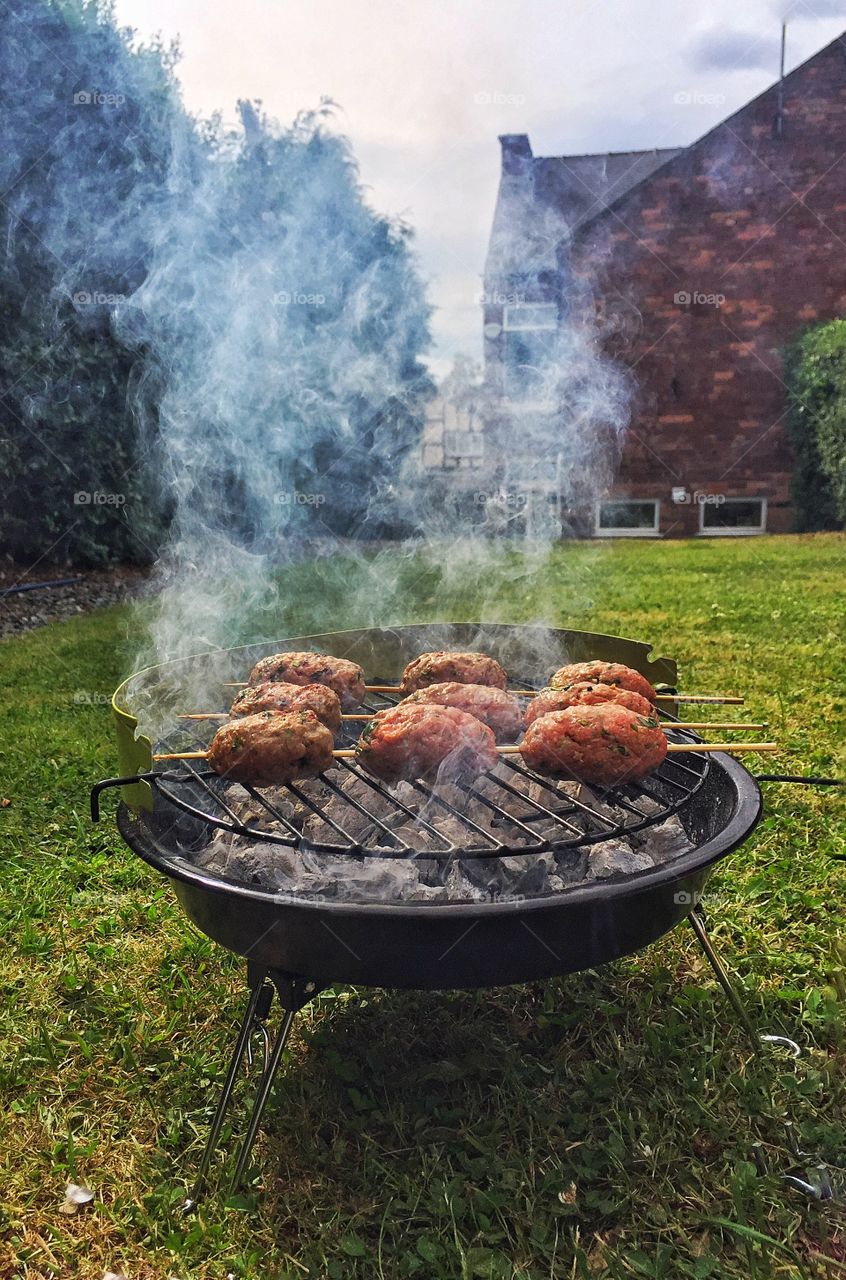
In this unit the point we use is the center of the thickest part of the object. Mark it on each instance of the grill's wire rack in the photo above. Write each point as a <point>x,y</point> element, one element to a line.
<point>529,814</point>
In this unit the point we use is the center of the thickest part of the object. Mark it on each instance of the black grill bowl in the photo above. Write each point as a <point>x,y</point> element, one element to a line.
<point>445,945</point>
<point>458,945</point>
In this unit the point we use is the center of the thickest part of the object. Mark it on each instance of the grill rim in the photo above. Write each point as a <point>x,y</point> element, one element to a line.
<point>747,812</point>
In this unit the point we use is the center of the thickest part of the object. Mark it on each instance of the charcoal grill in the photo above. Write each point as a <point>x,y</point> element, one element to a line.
<point>294,948</point>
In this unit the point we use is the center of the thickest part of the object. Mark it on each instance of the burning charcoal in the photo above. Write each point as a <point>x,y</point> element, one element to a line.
<point>431,873</point>
<point>365,879</point>
<point>571,865</point>
<point>429,893</point>
<point>648,806</point>
<point>267,866</point>
<point>527,877</point>
<point>460,889</point>
<point>665,841</point>
<point>484,874</point>
<point>358,826</point>
<point>454,830</point>
<point>616,858</point>
<point>253,813</point>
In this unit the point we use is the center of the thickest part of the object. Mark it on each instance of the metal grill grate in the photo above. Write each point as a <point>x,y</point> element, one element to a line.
<point>525,813</point>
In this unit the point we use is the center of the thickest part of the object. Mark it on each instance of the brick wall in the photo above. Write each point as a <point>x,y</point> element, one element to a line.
<point>759,222</point>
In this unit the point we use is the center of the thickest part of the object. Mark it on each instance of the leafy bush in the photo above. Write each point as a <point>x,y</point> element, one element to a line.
<point>150,362</point>
<point>816,378</point>
<point>85,139</point>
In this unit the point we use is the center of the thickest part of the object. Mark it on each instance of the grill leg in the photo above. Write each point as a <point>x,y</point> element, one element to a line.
<point>263,1093</point>
<point>812,1179</point>
<point>697,923</point>
<point>294,993</point>
<point>260,995</point>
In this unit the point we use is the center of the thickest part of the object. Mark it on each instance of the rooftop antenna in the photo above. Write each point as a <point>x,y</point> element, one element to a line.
<point>779,120</point>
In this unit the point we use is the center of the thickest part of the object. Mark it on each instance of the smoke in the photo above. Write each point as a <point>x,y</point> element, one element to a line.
<point>724,49</point>
<point>808,10</point>
<point>280,321</point>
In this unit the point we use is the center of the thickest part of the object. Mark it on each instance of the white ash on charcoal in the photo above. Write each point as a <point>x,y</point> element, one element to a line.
<point>411,822</point>
<point>617,858</point>
<point>664,841</point>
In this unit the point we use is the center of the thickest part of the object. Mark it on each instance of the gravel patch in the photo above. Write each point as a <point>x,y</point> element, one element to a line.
<point>24,610</point>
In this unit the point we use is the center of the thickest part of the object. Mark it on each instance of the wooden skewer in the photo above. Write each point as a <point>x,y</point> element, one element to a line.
<point>225,715</point>
<point>667,725</point>
<point>723,699</point>
<point>515,749</point>
<point>719,699</point>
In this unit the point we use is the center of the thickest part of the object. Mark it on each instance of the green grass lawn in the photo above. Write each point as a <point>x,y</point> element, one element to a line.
<point>599,1125</point>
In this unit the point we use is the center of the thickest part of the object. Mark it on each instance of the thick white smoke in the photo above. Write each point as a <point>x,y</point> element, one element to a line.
<point>281,322</point>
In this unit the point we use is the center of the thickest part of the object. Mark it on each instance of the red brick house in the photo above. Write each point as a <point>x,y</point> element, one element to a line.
<point>704,263</point>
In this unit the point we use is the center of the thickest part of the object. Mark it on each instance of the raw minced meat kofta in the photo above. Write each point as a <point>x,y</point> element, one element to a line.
<point>346,678</point>
<point>602,673</point>
<point>413,740</point>
<point>497,709</point>
<point>605,744</point>
<point>271,748</point>
<point>460,668</point>
<point>587,693</point>
<point>278,695</point>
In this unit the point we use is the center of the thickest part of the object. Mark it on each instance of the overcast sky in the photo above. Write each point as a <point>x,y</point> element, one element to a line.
<point>425,86</point>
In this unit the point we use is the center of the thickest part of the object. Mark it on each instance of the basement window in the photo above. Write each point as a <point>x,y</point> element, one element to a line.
<point>627,518</point>
<point>733,517</point>
<point>529,332</point>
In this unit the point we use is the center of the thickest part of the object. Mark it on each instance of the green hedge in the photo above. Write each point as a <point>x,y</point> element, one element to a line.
<point>816,421</point>
<point>85,150</point>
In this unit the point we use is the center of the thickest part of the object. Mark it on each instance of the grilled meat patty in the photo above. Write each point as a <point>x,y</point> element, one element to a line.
<point>586,693</point>
<point>497,709</point>
<point>413,740</point>
<point>271,748</point>
<point>459,668</point>
<point>277,695</point>
<point>346,678</point>
<point>602,673</point>
<point>604,744</point>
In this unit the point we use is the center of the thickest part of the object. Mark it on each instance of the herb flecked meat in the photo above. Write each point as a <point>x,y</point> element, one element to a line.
<point>345,677</point>
<point>461,668</point>
<point>604,745</point>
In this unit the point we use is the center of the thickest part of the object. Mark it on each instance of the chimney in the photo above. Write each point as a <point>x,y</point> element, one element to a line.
<point>516,153</point>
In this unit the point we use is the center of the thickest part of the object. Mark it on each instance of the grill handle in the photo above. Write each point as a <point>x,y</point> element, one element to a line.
<point>99,787</point>
<point>804,781</point>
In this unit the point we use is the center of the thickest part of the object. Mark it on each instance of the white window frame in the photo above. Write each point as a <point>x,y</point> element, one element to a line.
<point>511,324</point>
<point>653,532</point>
<point>745,531</point>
